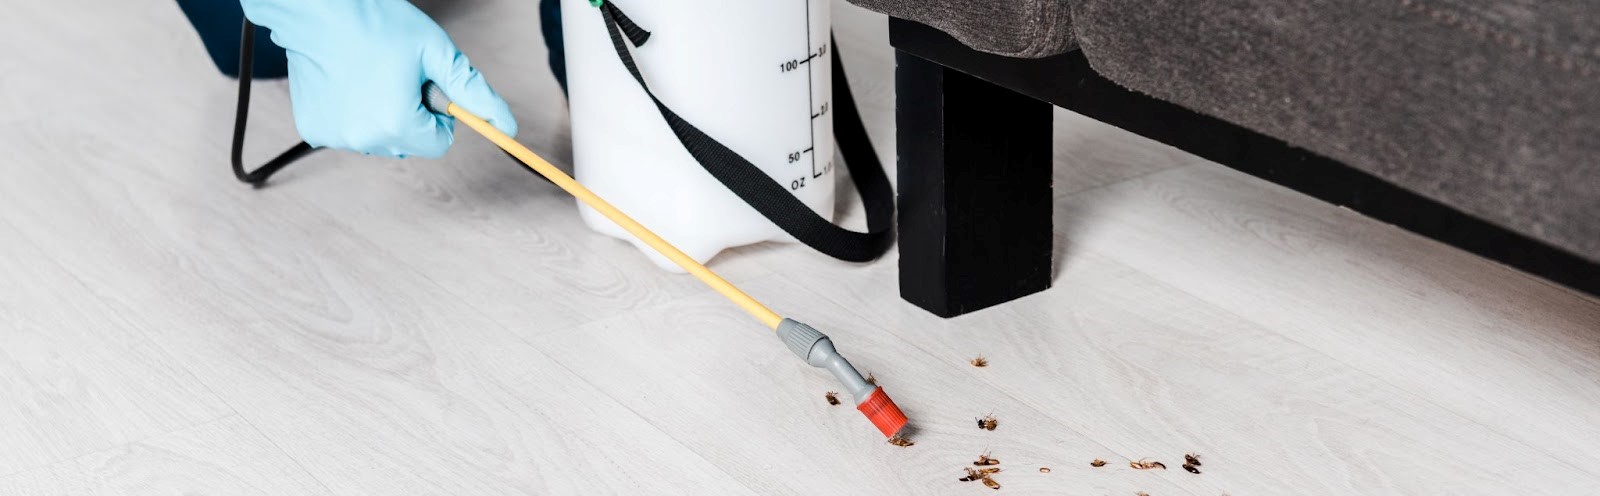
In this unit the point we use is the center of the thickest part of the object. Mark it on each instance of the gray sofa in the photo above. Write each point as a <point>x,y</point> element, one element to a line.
<point>1488,107</point>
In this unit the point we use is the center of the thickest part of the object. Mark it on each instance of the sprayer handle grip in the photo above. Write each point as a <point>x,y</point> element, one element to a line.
<point>434,100</point>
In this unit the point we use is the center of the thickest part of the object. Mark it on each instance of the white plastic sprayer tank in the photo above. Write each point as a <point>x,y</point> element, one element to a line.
<point>753,74</point>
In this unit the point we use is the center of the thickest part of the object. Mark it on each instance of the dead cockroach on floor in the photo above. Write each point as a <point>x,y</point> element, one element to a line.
<point>972,475</point>
<point>1044,470</point>
<point>990,470</point>
<point>980,361</point>
<point>1191,468</point>
<point>984,460</point>
<point>1141,464</point>
<point>1191,459</point>
<point>897,440</point>
<point>987,481</point>
<point>833,398</point>
<point>1097,463</point>
<point>988,422</point>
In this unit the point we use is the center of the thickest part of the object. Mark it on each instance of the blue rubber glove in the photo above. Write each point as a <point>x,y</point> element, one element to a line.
<point>356,69</point>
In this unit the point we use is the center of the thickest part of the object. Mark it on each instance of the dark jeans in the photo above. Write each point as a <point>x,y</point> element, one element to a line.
<point>218,21</point>
<point>550,25</point>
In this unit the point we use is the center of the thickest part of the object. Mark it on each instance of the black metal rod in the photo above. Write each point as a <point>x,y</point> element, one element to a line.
<point>257,177</point>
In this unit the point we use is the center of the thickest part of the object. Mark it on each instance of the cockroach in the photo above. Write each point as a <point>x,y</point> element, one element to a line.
<point>833,398</point>
<point>900,441</point>
<point>1191,468</point>
<point>1044,470</point>
<point>1097,463</point>
<point>1141,464</point>
<point>990,470</point>
<point>984,460</point>
<point>1191,459</point>
<point>987,481</point>
<point>988,422</point>
<point>980,361</point>
<point>972,475</point>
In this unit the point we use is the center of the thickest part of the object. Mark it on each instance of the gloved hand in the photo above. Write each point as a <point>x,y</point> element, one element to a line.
<point>356,69</point>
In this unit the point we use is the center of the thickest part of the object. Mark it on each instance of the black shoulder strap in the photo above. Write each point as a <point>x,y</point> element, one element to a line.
<point>757,188</point>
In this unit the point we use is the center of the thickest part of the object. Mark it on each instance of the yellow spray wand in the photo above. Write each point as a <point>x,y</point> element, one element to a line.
<point>806,342</point>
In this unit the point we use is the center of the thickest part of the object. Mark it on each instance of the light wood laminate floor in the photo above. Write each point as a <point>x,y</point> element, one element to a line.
<point>369,326</point>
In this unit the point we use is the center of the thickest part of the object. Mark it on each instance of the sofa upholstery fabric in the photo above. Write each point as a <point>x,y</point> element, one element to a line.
<point>1014,28</point>
<point>1489,106</point>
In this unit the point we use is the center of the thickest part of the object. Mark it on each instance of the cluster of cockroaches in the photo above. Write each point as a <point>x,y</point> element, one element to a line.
<point>987,466</point>
<point>988,422</point>
<point>1191,462</point>
<point>985,471</point>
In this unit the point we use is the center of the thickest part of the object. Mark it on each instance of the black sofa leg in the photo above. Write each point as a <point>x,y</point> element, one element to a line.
<point>974,189</point>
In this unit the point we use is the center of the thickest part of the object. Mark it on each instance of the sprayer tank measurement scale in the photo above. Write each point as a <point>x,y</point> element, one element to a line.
<point>817,105</point>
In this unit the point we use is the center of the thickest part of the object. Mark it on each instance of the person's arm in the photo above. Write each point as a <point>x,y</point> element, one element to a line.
<point>356,69</point>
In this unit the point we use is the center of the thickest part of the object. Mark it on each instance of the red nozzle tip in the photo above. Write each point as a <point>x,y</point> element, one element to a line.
<point>883,413</point>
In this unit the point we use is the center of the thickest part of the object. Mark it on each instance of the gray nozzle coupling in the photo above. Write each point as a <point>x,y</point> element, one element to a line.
<point>816,349</point>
